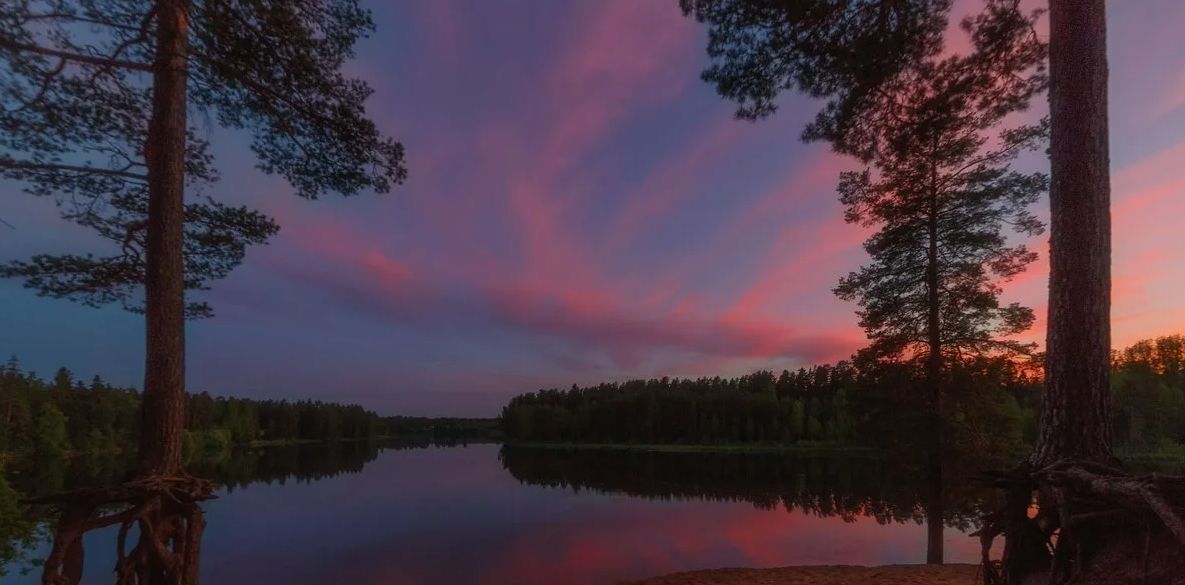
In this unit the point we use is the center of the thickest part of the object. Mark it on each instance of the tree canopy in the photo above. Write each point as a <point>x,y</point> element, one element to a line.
<point>839,50</point>
<point>941,191</point>
<point>77,80</point>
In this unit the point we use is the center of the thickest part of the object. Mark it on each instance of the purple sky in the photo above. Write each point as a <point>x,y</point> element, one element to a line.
<point>581,207</point>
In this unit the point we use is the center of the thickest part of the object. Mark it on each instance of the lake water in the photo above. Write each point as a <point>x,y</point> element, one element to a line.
<point>487,514</point>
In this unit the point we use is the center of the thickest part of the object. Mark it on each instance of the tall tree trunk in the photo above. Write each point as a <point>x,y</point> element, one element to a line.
<point>935,515</point>
<point>163,408</point>
<point>1076,407</point>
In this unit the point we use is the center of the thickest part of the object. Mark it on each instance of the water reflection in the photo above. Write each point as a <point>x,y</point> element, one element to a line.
<point>82,494</point>
<point>848,486</point>
<point>376,514</point>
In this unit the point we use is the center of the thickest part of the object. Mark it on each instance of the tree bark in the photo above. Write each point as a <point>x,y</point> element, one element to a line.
<point>1076,407</point>
<point>163,408</point>
<point>935,515</point>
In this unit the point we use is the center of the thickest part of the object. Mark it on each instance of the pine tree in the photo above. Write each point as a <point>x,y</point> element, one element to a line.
<point>762,47</point>
<point>98,99</point>
<point>49,439</point>
<point>941,192</point>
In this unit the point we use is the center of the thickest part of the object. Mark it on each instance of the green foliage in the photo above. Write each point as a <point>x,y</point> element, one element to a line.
<point>1148,380</point>
<point>797,422</point>
<point>984,409</point>
<point>207,443</point>
<point>64,416</point>
<point>990,411</point>
<point>18,532</point>
<point>49,434</point>
<point>756,408</point>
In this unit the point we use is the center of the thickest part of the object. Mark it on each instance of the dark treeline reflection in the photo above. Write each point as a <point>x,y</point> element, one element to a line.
<point>849,486</point>
<point>23,528</point>
<point>235,469</point>
<point>303,463</point>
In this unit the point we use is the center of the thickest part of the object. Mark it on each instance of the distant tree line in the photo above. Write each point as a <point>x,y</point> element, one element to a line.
<point>848,403</point>
<point>1148,380</point>
<point>991,407</point>
<point>442,431</point>
<point>807,405</point>
<point>65,415</point>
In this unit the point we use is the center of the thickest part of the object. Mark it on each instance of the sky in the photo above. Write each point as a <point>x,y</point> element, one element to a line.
<point>580,208</point>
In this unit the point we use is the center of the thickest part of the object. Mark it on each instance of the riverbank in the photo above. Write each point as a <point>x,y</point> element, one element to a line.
<point>824,575</point>
<point>821,448</point>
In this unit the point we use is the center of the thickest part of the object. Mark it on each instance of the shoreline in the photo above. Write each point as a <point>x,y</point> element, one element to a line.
<point>953,574</point>
<point>822,449</point>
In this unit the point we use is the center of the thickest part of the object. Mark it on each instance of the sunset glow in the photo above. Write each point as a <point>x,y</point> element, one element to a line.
<point>580,207</point>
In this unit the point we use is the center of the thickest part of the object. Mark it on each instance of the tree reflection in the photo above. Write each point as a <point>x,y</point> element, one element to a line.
<point>155,529</point>
<point>848,486</point>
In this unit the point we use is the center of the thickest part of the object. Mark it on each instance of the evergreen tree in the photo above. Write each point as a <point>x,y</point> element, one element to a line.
<point>760,47</point>
<point>98,95</point>
<point>845,52</point>
<point>835,49</point>
<point>940,190</point>
<point>49,438</point>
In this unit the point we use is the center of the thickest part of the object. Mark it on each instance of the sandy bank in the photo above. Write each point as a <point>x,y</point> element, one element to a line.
<point>829,575</point>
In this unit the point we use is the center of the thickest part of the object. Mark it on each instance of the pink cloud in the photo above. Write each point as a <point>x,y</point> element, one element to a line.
<point>596,321</point>
<point>798,261</point>
<point>628,55</point>
<point>812,178</point>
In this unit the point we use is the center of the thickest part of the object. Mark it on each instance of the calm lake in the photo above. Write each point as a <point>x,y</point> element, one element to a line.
<point>490,514</point>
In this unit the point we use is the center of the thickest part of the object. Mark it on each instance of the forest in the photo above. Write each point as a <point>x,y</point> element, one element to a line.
<point>67,416</point>
<point>991,406</point>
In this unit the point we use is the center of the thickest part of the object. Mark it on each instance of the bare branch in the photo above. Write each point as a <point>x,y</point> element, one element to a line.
<point>75,57</point>
<point>76,18</point>
<point>7,163</point>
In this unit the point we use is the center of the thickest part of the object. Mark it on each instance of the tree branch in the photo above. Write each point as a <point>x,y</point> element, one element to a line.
<point>7,163</point>
<point>76,57</point>
<point>76,18</point>
<point>45,82</point>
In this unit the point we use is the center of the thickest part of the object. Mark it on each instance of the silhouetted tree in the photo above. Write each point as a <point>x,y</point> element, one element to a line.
<point>116,80</point>
<point>99,95</point>
<point>941,192</point>
<point>940,189</point>
<point>840,50</point>
<point>760,47</point>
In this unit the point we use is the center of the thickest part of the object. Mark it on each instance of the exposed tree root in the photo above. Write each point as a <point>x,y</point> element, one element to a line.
<point>164,510</point>
<point>1085,523</point>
